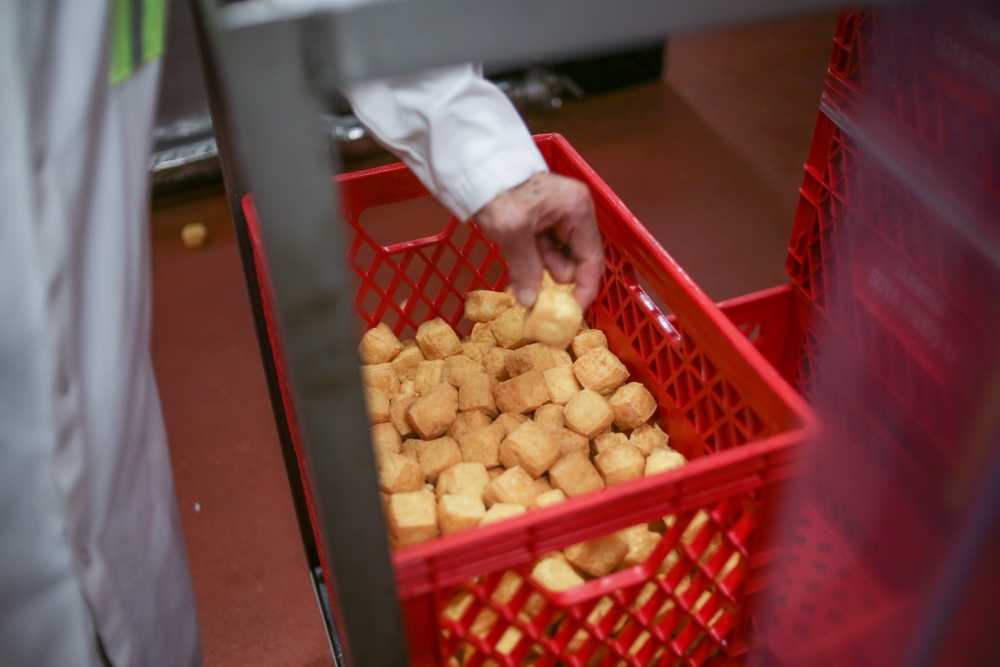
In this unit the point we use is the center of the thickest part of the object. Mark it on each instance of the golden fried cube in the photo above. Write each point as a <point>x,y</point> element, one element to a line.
<point>429,374</point>
<point>482,446</point>
<point>385,439</point>
<point>534,357</point>
<point>561,357</point>
<point>522,394</point>
<point>662,460</point>
<point>475,351</point>
<point>588,414</point>
<point>381,376</point>
<point>457,368</point>
<point>508,421</point>
<point>511,486</point>
<point>408,387</point>
<point>542,484</point>
<point>501,511</point>
<point>399,474</point>
<point>599,556</point>
<point>436,456</point>
<point>494,363</point>
<point>570,441</point>
<point>562,384</point>
<point>495,472</point>
<point>463,479</point>
<point>412,455</point>
<point>620,463</point>
<point>554,319</point>
<point>632,404</point>
<point>406,362</point>
<point>476,393</point>
<point>398,407</point>
<point>547,498</point>
<point>587,340</point>
<point>484,305</point>
<point>379,345</point>
<point>466,422</point>
<point>549,417</point>
<point>482,334</point>
<point>556,574</point>
<point>641,542</point>
<point>437,340</point>
<point>434,412</point>
<point>574,475</point>
<point>608,440</point>
<point>532,447</point>
<point>648,438</point>
<point>378,405</point>
<point>412,518</point>
<point>600,371</point>
<point>458,512</point>
<point>508,328</point>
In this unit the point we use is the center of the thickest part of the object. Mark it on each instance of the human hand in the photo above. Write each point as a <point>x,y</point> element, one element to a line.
<point>547,222</point>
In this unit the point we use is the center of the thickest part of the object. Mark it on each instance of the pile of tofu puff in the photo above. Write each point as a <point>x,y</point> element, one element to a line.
<point>470,432</point>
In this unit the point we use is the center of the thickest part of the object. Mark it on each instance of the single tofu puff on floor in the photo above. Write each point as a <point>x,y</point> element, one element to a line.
<point>662,460</point>
<point>575,475</point>
<point>379,345</point>
<point>632,405</point>
<point>412,518</point>
<point>437,340</point>
<point>436,456</point>
<point>485,305</point>
<point>620,463</point>
<point>459,512</point>
<point>647,438</point>
<point>599,370</point>
<point>587,340</point>
<point>514,486</point>
<point>508,328</point>
<point>377,404</point>
<point>554,319</point>
<point>556,574</point>
<point>599,556</point>
<point>501,511</point>
<point>434,412</point>
<point>522,394</point>
<point>588,413</point>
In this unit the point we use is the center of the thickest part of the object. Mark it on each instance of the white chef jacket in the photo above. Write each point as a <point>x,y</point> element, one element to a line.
<point>91,548</point>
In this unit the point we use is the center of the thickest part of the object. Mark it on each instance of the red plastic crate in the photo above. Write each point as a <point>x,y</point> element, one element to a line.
<point>723,405</point>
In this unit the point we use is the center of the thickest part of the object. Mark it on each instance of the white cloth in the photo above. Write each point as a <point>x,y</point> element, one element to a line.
<point>90,538</point>
<point>457,131</point>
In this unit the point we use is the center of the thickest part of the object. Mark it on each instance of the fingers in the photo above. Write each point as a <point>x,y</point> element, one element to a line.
<point>577,227</point>
<point>524,264</point>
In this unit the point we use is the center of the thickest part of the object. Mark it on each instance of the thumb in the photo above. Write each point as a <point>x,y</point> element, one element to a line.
<point>525,266</point>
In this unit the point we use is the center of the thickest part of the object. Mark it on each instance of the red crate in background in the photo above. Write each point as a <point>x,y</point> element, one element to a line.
<point>723,405</point>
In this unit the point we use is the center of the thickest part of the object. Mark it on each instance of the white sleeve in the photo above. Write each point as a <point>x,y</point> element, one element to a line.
<point>457,131</point>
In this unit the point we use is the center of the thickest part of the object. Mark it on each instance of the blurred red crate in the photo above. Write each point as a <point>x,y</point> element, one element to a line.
<point>468,598</point>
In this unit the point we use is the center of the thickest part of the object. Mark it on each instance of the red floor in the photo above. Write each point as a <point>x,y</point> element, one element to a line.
<point>710,162</point>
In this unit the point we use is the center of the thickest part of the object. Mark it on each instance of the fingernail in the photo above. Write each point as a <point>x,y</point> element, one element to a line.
<point>526,297</point>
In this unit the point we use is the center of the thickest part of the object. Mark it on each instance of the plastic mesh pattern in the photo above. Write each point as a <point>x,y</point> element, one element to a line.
<point>680,612</point>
